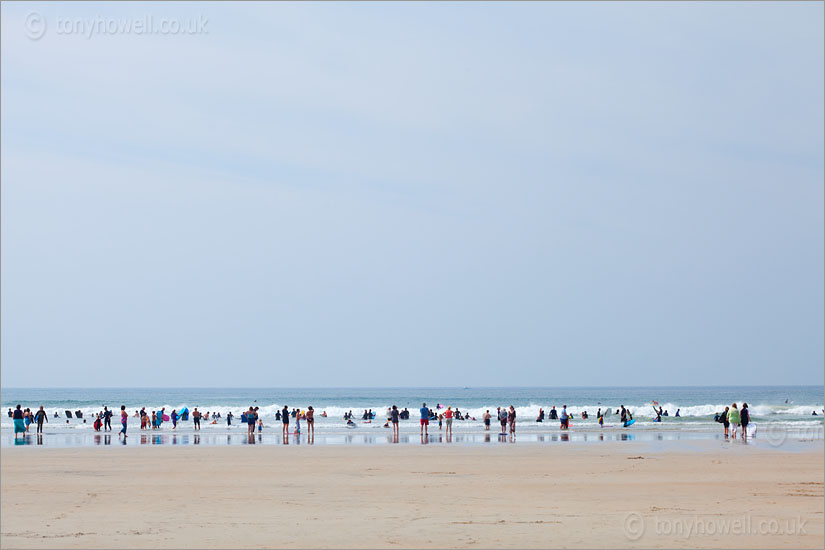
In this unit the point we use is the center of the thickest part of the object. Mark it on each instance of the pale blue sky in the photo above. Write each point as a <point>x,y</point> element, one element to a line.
<point>415,194</point>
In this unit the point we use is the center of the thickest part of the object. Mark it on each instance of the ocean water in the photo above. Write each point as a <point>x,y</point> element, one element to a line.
<point>774,407</point>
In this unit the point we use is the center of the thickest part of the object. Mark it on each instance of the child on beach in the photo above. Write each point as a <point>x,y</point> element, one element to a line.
<point>260,425</point>
<point>297,424</point>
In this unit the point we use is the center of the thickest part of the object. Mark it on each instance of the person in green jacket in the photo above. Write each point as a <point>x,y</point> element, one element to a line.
<point>734,419</point>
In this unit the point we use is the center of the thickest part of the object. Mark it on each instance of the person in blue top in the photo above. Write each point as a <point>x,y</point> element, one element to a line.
<point>425,418</point>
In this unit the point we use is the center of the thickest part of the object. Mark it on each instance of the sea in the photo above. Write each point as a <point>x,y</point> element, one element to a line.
<point>778,412</point>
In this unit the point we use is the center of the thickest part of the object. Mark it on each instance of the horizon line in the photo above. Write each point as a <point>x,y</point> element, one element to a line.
<point>392,387</point>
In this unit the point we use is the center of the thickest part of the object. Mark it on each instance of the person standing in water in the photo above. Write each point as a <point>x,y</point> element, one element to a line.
<point>734,419</point>
<point>19,425</point>
<point>285,420</point>
<point>725,421</point>
<point>745,418</point>
<point>40,416</point>
<point>310,416</point>
<point>425,419</point>
<point>511,419</point>
<point>394,420</point>
<point>502,419</point>
<point>124,418</point>
<point>448,419</point>
<point>487,421</point>
<point>250,421</point>
<point>107,419</point>
<point>196,418</point>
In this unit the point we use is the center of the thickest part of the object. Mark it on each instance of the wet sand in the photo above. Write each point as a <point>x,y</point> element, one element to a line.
<point>615,495</point>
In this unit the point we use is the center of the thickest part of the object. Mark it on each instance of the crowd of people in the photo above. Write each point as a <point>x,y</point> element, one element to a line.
<point>734,419</point>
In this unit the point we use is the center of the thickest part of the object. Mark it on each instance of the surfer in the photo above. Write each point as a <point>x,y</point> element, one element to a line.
<point>40,416</point>
<point>553,414</point>
<point>107,419</point>
<point>724,420</point>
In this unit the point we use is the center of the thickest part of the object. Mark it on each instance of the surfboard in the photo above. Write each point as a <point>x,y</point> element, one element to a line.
<point>166,418</point>
<point>630,423</point>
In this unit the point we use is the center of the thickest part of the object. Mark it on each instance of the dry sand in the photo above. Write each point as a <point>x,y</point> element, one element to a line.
<point>527,496</point>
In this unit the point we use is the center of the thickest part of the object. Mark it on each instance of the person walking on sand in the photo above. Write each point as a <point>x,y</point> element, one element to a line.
<point>425,419</point>
<point>487,421</point>
<point>285,420</point>
<point>310,417</point>
<point>124,418</point>
<point>734,419</point>
<point>40,416</point>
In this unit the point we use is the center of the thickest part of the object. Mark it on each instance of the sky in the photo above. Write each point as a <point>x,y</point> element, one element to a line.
<point>396,194</point>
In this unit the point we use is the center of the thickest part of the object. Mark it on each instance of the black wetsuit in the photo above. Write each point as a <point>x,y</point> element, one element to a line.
<point>40,417</point>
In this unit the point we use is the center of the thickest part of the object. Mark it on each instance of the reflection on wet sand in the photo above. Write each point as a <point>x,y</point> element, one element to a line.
<point>384,438</point>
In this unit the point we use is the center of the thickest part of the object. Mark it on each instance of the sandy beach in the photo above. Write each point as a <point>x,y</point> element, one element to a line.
<point>530,496</point>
